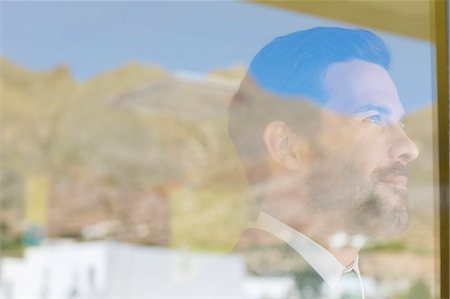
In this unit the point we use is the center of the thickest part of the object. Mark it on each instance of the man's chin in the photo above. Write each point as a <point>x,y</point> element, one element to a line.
<point>395,210</point>
<point>384,215</point>
<point>395,223</point>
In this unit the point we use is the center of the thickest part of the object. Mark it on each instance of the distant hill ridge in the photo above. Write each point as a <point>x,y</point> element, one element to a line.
<point>126,143</point>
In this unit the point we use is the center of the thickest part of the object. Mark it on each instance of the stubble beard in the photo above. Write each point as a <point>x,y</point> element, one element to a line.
<point>356,205</point>
<point>384,209</point>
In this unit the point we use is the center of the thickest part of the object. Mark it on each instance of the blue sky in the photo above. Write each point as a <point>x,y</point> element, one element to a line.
<point>93,37</point>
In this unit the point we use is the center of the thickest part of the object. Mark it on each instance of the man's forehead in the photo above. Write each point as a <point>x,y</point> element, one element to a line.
<point>358,85</point>
<point>387,106</point>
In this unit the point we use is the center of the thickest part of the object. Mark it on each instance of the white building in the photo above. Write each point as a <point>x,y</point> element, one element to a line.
<point>103,269</point>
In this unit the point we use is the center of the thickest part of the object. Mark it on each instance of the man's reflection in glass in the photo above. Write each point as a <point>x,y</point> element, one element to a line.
<point>318,125</point>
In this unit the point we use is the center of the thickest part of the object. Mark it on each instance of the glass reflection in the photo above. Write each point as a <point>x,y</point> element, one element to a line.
<point>309,175</point>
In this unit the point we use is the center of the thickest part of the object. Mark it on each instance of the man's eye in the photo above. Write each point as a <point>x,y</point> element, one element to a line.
<point>376,119</point>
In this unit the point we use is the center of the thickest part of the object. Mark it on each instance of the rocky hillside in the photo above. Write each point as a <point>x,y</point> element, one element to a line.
<point>142,155</point>
<point>116,149</point>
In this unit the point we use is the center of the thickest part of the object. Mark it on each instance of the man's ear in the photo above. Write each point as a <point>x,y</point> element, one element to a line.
<point>282,145</point>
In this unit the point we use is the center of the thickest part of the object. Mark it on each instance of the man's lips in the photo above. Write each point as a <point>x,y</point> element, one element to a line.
<point>396,175</point>
<point>400,181</point>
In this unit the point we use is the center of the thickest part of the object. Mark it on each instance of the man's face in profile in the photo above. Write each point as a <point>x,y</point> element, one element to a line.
<point>362,151</point>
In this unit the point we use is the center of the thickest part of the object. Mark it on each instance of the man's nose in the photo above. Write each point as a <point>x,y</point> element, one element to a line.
<point>402,149</point>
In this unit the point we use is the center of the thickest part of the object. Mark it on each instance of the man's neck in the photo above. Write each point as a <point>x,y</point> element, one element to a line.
<point>342,246</point>
<point>346,256</point>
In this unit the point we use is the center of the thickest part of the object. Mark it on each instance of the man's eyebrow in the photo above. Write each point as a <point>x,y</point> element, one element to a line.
<point>379,108</point>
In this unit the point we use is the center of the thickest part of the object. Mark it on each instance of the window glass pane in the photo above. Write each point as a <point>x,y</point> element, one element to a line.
<point>218,149</point>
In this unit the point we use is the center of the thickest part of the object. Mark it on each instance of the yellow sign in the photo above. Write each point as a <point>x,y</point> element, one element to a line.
<point>36,199</point>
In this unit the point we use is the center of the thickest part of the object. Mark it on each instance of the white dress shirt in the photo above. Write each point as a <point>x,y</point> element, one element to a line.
<point>320,259</point>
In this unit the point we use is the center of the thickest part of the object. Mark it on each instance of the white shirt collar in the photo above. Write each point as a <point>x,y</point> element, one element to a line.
<point>320,259</point>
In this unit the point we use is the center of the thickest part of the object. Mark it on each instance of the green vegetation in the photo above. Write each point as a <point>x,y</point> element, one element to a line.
<point>11,244</point>
<point>390,246</point>
<point>418,290</point>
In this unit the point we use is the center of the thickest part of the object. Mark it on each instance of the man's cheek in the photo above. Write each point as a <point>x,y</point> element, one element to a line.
<point>368,155</point>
